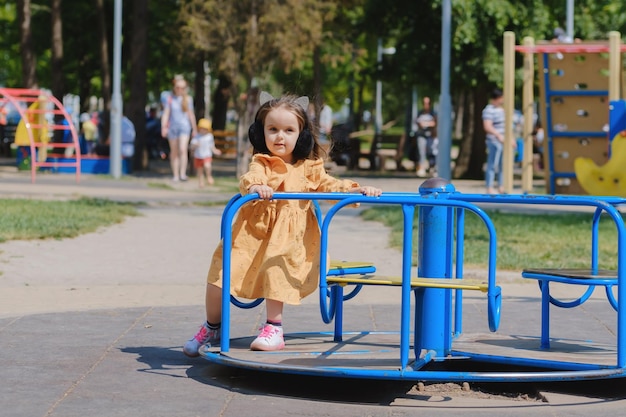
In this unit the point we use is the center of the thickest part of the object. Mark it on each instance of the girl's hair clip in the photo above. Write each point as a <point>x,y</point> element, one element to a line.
<point>303,101</point>
<point>264,97</point>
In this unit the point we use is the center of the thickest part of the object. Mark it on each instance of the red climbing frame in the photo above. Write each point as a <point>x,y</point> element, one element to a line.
<point>35,118</point>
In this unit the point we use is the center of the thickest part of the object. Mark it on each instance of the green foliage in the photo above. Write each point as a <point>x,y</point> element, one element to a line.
<point>243,38</point>
<point>38,219</point>
<point>273,42</point>
<point>9,44</point>
<point>523,240</point>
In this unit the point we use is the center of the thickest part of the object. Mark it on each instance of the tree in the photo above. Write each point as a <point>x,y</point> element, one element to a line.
<point>58,86</point>
<point>246,40</point>
<point>221,98</point>
<point>105,67</point>
<point>319,48</point>
<point>476,57</point>
<point>138,66</point>
<point>29,76</point>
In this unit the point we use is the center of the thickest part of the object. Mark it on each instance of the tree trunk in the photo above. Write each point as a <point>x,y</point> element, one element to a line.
<point>317,84</point>
<point>460,113</point>
<point>58,85</point>
<point>358,117</point>
<point>221,97</point>
<point>243,144</point>
<point>105,69</point>
<point>138,68</point>
<point>198,87</point>
<point>56,67</point>
<point>29,75</point>
<point>466,133</point>
<point>479,148</point>
<point>247,110</point>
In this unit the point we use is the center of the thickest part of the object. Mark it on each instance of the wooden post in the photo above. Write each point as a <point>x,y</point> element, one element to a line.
<point>509,95</point>
<point>614,65</point>
<point>528,111</point>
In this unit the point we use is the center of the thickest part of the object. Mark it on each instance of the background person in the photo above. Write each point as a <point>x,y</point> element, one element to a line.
<point>493,123</point>
<point>203,146</point>
<point>88,133</point>
<point>178,124</point>
<point>325,124</point>
<point>426,139</point>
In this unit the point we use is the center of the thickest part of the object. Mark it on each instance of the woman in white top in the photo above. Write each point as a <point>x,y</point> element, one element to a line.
<point>178,122</point>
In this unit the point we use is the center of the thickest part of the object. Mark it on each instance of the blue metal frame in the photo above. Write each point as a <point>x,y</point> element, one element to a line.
<point>605,205</point>
<point>359,270</point>
<point>443,203</point>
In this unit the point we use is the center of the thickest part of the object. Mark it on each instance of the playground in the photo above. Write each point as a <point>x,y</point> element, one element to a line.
<point>429,324</point>
<point>113,335</point>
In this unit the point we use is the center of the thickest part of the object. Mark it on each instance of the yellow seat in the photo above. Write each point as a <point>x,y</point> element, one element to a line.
<point>451,283</point>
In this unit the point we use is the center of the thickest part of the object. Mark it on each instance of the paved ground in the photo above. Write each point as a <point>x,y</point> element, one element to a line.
<point>94,325</point>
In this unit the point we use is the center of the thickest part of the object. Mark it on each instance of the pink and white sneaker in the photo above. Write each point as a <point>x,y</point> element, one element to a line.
<point>204,337</point>
<point>270,338</point>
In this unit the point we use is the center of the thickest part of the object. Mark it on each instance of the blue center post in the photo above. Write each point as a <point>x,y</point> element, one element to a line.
<point>433,306</point>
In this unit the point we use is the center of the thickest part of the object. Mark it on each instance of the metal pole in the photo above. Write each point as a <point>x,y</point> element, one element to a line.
<point>115,157</point>
<point>433,306</point>
<point>378,120</point>
<point>444,120</point>
<point>569,28</point>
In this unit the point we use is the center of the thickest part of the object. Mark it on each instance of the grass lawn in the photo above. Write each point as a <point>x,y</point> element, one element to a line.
<point>42,219</point>
<point>524,240</point>
<point>543,240</point>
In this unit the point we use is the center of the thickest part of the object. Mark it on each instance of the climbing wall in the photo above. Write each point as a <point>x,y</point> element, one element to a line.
<point>575,111</point>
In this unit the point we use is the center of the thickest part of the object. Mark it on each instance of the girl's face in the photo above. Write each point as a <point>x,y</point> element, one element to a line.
<point>281,131</point>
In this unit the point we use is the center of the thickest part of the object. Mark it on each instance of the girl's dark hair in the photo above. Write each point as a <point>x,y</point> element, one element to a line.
<point>307,146</point>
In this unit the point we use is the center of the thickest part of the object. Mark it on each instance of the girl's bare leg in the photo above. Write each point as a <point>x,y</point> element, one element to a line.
<point>200,174</point>
<point>209,176</point>
<point>213,303</point>
<point>274,310</point>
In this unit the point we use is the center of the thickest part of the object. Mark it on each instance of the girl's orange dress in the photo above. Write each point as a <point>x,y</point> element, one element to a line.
<point>276,244</point>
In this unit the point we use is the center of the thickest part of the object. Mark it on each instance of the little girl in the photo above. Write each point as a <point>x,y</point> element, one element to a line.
<point>203,147</point>
<point>275,250</point>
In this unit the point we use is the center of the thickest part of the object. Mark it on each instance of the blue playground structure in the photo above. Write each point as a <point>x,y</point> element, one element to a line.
<point>435,347</point>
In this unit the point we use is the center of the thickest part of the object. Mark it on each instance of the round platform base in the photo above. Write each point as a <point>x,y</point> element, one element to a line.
<point>476,358</point>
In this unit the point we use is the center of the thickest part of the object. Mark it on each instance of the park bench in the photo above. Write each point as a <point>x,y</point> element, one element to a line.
<point>226,141</point>
<point>384,147</point>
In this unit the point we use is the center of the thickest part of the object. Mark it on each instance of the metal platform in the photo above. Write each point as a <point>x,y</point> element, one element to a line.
<point>485,357</point>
